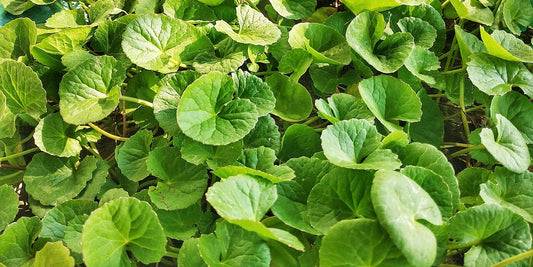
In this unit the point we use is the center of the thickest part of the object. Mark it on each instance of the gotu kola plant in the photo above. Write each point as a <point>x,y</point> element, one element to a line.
<point>266,133</point>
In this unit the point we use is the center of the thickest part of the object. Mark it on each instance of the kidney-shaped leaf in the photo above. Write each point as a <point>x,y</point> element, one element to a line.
<point>90,91</point>
<point>54,136</point>
<point>347,143</point>
<point>364,34</point>
<point>399,203</point>
<point>509,148</point>
<point>293,101</point>
<point>391,99</point>
<point>254,27</point>
<point>16,242</point>
<point>208,113</point>
<point>360,242</point>
<point>22,88</point>
<point>325,44</point>
<point>182,183</point>
<point>294,9</point>
<point>161,43</point>
<point>495,234</point>
<point>496,76</point>
<point>510,190</point>
<point>53,180</point>
<point>121,225</point>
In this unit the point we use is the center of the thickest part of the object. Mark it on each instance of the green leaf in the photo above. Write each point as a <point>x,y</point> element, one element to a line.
<point>251,87</point>
<point>188,10</point>
<point>435,186</point>
<point>67,19</point>
<point>291,204</point>
<point>274,174</point>
<point>429,157</point>
<point>324,43</point>
<point>360,242</point>
<point>122,225</point>
<point>423,33</point>
<point>430,128</point>
<point>53,180</point>
<point>160,43</point>
<point>60,219</point>
<point>16,7</point>
<point>510,190</point>
<point>183,183</point>
<point>208,114</point>
<point>473,10</point>
<point>341,107</point>
<point>517,15</point>
<point>265,133</point>
<point>517,109</point>
<point>90,91</point>
<point>180,224</point>
<point>293,101</point>
<point>495,234</point>
<point>54,136</point>
<point>244,200</point>
<point>423,64</point>
<point>509,148</point>
<point>469,181</point>
<point>211,2</point>
<point>506,46</point>
<point>215,156</point>
<point>108,36</point>
<point>294,9</point>
<point>399,204</point>
<point>53,254</point>
<point>229,56</point>
<point>347,143</point>
<point>341,194</point>
<point>190,254</point>
<point>390,99</point>
<point>16,242</point>
<point>299,140</point>
<point>18,36</point>
<point>358,6</point>
<point>10,207</point>
<point>297,61</point>
<point>132,155</point>
<point>496,76</point>
<point>168,97</point>
<point>50,50</point>
<point>364,34</point>
<point>231,245</point>
<point>22,88</point>
<point>468,43</point>
<point>254,27</point>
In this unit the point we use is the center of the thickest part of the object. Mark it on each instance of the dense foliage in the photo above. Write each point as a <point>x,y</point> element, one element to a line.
<point>266,133</point>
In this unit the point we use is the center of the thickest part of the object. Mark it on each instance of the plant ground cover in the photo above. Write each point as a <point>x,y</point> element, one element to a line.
<point>266,133</point>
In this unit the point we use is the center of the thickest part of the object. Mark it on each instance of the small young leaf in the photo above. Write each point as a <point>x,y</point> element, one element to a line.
<point>120,225</point>
<point>53,254</point>
<point>132,155</point>
<point>265,133</point>
<point>341,107</point>
<point>423,33</point>
<point>251,87</point>
<point>299,140</point>
<point>54,136</point>
<point>293,101</point>
<point>517,15</point>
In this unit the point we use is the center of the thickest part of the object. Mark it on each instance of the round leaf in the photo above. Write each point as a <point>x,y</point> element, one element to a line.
<point>54,136</point>
<point>423,33</point>
<point>399,203</point>
<point>299,140</point>
<point>53,254</point>
<point>293,101</point>
<point>360,242</point>
<point>364,34</point>
<point>251,87</point>
<point>122,225</point>
<point>132,155</point>
<point>391,99</point>
<point>160,43</point>
<point>324,43</point>
<point>90,91</point>
<point>183,183</point>
<point>207,113</point>
<point>510,148</point>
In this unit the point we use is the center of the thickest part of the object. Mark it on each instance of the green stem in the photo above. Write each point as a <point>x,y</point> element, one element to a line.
<point>171,255</point>
<point>138,101</point>
<point>453,245</point>
<point>112,136</point>
<point>466,150</point>
<point>252,5</point>
<point>173,249</point>
<point>453,71</point>
<point>466,110</point>
<point>61,7</point>
<point>14,156</point>
<point>148,183</point>
<point>263,73</point>
<point>28,138</point>
<point>456,144</point>
<point>437,95</point>
<point>311,120</point>
<point>445,3</point>
<point>11,178</point>
<point>12,167</point>
<point>462,104</point>
<point>514,259</point>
